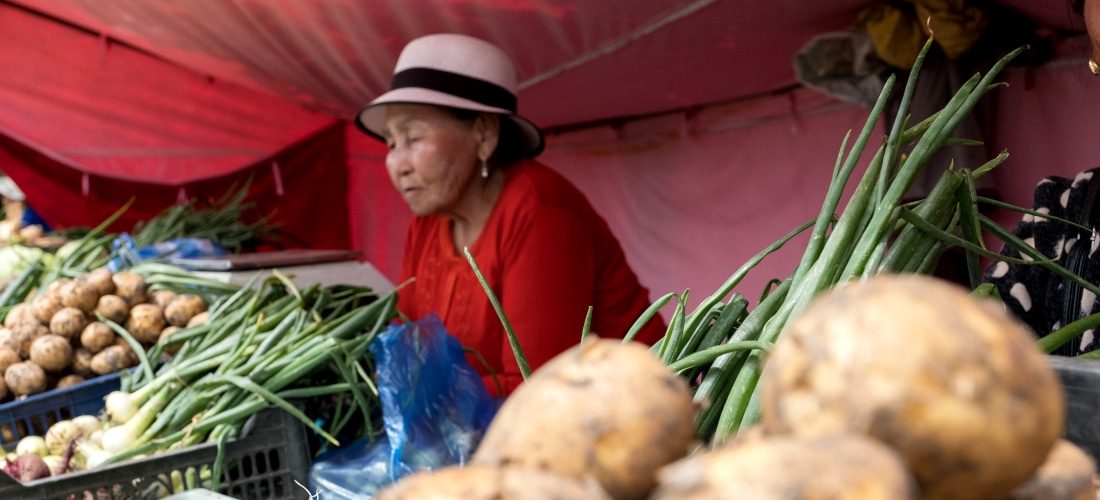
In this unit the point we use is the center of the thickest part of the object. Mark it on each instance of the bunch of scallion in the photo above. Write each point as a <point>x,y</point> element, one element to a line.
<point>220,221</point>
<point>256,346</point>
<point>720,345</point>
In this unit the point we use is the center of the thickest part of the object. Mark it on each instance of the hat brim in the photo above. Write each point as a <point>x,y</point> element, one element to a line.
<point>372,119</point>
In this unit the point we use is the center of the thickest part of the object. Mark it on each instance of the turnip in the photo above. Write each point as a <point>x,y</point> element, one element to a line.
<point>32,445</point>
<point>25,379</point>
<point>78,294</point>
<point>59,434</point>
<point>68,322</point>
<point>953,383</point>
<point>44,306</point>
<point>183,308</point>
<point>131,287</point>
<point>145,323</point>
<point>96,336</point>
<point>27,468</point>
<point>113,308</point>
<point>616,413</point>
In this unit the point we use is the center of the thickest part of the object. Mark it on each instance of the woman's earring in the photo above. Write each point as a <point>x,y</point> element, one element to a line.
<point>484,169</point>
<point>1094,67</point>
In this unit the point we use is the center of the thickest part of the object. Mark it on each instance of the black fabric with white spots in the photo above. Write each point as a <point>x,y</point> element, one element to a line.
<point>1035,294</point>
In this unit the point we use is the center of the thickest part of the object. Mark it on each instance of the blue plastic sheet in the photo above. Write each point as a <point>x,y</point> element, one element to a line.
<point>188,248</point>
<point>435,410</point>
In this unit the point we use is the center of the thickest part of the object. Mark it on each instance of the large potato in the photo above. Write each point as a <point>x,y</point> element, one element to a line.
<point>489,483</point>
<point>19,313</point>
<point>145,323</point>
<point>603,409</point>
<point>182,308</point>
<point>23,335</point>
<point>78,294</point>
<point>953,383</point>
<point>1067,474</point>
<point>24,379</point>
<point>113,308</point>
<point>44,306</point>
<point>848,466</point>
<point>131,287</point>
<point>52,352</point>
<point>100,281</point>
<point>68,322</point>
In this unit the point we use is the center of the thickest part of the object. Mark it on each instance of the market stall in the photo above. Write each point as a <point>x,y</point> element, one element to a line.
<point>231,320</point>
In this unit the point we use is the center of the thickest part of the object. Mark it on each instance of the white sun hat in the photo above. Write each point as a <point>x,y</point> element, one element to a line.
<point>456,71</point>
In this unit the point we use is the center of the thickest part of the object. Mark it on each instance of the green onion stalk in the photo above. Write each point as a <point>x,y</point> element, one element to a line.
<point>720,345</point>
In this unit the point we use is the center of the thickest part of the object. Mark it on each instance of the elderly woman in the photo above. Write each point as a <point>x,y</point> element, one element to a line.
<point>1041,299</point>
<point>461,158</point>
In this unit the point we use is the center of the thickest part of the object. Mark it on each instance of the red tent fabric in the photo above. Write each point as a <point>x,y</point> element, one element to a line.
<point>290,186</point>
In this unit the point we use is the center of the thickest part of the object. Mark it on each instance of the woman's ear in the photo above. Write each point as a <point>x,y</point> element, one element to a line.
<point>487,134</point>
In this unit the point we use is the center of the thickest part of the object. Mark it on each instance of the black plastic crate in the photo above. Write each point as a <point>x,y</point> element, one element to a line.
<point>263,464</point>
<point>31,416</point>
<point>1081,380</point>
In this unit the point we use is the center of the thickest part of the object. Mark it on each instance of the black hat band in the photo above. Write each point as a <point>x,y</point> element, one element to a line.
<point>472,89</point>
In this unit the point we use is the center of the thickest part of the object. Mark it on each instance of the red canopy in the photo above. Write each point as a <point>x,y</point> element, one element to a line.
<point>103,99</point>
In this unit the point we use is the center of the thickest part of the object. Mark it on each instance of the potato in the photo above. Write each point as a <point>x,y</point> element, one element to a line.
<point>78,294</point>
<point>19,313</point>
<point>68,322</point>
<point>1067,474</point>
<point>25,379</point>
<point>113,308</point>
<point>617,414</point>
<point>8,357</point>
<point>161,298</point>
<point>183,308</point>
<point>199,319</point>
<point>110,360</point>
<point>848,466</point>
<point>82,362</point>
<point>52,352</point>
<point>953,383</point>
<point>97,336</point>
<point>475,482</point>
<point>56,285</point>
<point>70,379</point>
<point>44,306</point>
<point>130,286</point>
<point>100,280</point>
<point>145,323</point>
<point>164,335</point>
<point>23,335</point>
<point>7,339</point>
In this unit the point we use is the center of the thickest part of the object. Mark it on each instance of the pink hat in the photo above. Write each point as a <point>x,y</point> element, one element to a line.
<point>456,71</point>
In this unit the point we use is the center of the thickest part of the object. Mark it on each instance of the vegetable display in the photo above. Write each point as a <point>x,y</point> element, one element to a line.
<point>260,346</point>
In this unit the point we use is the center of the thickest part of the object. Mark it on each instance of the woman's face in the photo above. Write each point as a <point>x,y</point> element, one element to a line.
<point>433,156</point>
<point>1092,24</point>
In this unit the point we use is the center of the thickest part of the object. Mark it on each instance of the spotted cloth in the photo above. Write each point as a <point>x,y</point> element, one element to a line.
<point>1035,294</point>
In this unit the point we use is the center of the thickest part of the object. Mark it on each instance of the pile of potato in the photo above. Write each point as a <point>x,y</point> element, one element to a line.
<point>888,388</point>
<point>55,339</point>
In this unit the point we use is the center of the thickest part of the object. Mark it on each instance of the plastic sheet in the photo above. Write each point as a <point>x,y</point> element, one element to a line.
<point>434,407</point>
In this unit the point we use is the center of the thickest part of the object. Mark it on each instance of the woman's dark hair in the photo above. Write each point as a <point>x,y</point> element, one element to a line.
<point>1078,7</point>
<point>510,144</point>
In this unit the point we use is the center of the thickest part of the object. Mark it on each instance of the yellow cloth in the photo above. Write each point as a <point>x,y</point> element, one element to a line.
<point>898,35</point>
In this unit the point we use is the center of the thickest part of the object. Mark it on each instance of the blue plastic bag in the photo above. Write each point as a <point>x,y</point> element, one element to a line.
<point>129,255</point>
<point>435,410</point>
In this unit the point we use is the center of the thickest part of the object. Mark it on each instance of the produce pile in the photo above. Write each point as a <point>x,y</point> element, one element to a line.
<point>93,324</point>
<point>896,387</point>
<point>261,346</point>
